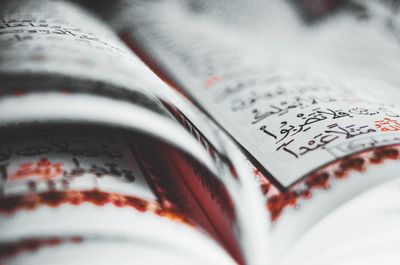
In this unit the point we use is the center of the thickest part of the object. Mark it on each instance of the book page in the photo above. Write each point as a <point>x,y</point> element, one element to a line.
<point>278,111</point>
<point>61,51</point>
<point>73,188</point>
<point>62,65</point>
<point>37,35</point>
<point>317,116</point>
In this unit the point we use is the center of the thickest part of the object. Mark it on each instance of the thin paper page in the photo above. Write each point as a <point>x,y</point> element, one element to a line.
<point>58,52</point>
<point>83,184</point>
<point>280,110</point>
<point>62,38</point>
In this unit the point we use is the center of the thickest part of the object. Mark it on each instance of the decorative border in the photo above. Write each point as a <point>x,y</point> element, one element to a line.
<point>277,201</point>
<point>13,203</point>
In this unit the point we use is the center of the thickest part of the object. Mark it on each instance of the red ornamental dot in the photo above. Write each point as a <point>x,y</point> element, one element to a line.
<point>96,197</point>
<point>52,198</point>
<point>265,188</point>
<point>318,181</point>
<point>381,154</point>
<point>118,203</point>
<point>75,198</point>
<point>54,241</point>
<point>306,194</point>
<point>356,163</point>
<point>210,81</point>
<point>290,198</point>
<point>118,200</point>
<point>137,203</point>
<point>43,162</point>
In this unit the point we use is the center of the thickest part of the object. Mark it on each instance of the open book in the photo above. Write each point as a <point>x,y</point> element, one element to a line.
<point>199,132</point>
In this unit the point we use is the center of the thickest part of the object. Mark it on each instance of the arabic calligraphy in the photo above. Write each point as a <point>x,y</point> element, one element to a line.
<point>299,103</point>
<point>44,169</point>
<point>387,125</point>
<point>61,147</point>
<point>317,115</point>
<point>24,29</point>
<point>334,132</point>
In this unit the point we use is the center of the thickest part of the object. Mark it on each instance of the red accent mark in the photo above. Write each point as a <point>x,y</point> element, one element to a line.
<point>387,125</point>
<point>382,154</point>
<point>42,169</point>
<point>353,163</point>
<point>264,183</point>
<point>210,81</point>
